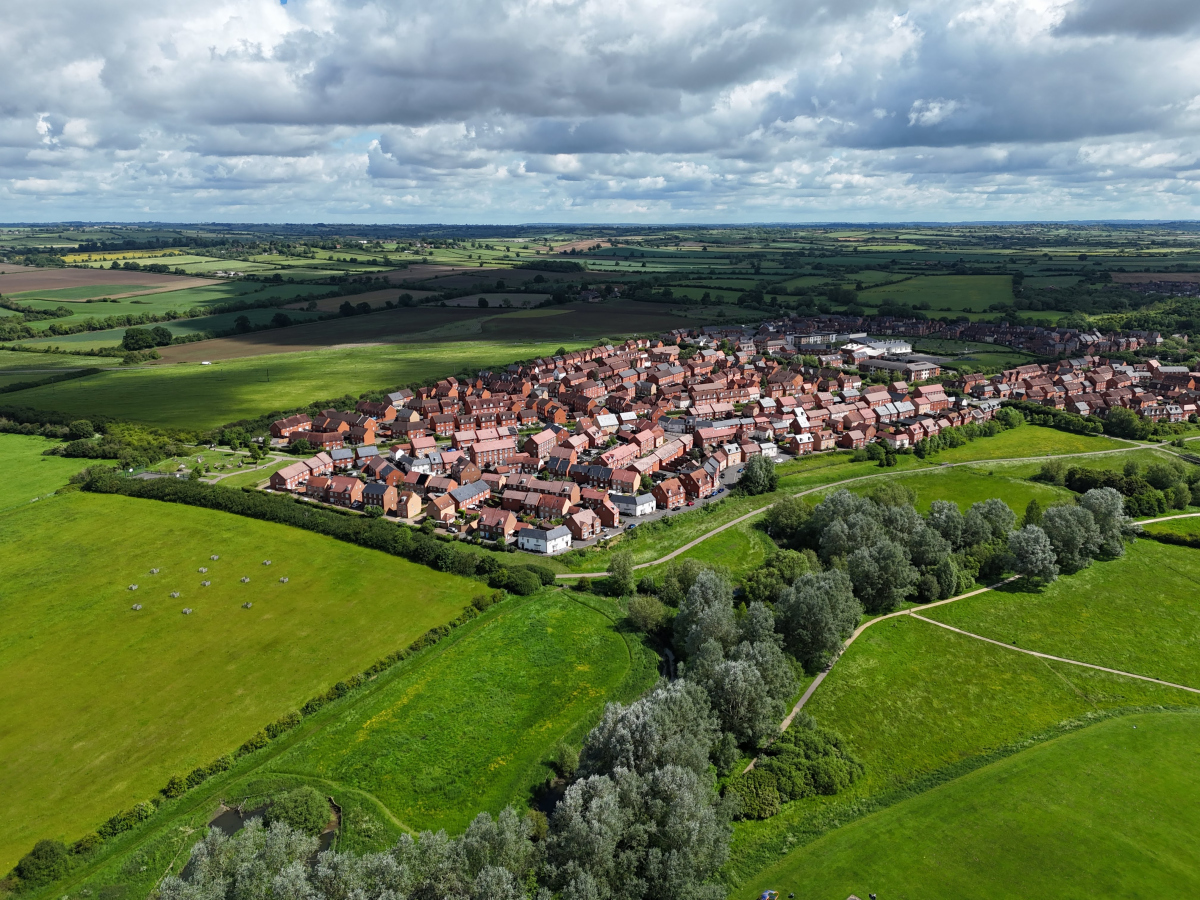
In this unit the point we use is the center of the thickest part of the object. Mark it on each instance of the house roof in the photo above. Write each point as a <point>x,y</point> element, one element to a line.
<point>465,492</point>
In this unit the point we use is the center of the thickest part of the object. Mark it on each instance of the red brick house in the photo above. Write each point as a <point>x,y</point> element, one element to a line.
<point>441,509</point>
<point>495,523</point>
<point>698,484</point>
<point>408,504</point>
<point>583,525</point>
<point>318,487</point>
<point>290,477</point>
<point>380,495</point>
<point>491,453</point>
<point>344,491</point>
<point>669,494</point>
<point>541,444</point>
<point>289,426</point>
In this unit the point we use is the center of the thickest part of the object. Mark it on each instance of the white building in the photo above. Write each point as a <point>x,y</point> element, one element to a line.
<point>635,506</point>
<point>540,540</point>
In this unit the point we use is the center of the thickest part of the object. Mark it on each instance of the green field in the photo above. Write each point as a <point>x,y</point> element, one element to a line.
<point>1026,441</point>
<point>82,293</point>
<point>973,293</point>
<point>28,474</point>
<point>1139,613</point>
<point>460,735</point>
<point>103,704</point>
<point>252,476</point>
<point>1108,811</point>
<point>966,485</point>
<point>201,397</point>
<point>1190,525</point>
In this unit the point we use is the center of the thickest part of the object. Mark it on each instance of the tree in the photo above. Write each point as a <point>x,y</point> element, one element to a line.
<point>816,615</point>
<point>882,576</point>
<point>947,520</point>
<point>304,809</point>
<point>673,725</point>
<point>1125,423</point>
<point>1033,513</point>
<point>80,430</point>
<point>1033,555</point>
<point>620,574</point>
<point>646,613</point>
<point>241,324</point>
<point>483,302</point>
<point>1009,417</point>
<point>706,614</point>
<point>1108,509</point>
<point>927,548</point>
<point>646,483</point>
<point>136,339</point>
<point>740,699</point>
<point>999,518</point>
<point>759,476</point>
<point>281,320</point>
<point>785,520</point>
<point>1073,534</point>
<point>161,336</point>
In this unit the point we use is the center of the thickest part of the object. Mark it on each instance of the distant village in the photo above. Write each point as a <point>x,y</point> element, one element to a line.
<point>555,452</point>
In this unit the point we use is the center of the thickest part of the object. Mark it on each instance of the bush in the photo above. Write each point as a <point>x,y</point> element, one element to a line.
<point>303,809</point>
<point>545,574</point>
<point>46,862</point>
<point>522,582</point>
<point>759,477</point>
<point>758,794</point>
<point>647,613</point>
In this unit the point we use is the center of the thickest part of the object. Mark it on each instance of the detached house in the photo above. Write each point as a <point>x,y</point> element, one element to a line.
<point>540,540</point>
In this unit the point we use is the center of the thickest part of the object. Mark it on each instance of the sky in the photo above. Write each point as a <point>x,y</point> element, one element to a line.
<point>512,111</point>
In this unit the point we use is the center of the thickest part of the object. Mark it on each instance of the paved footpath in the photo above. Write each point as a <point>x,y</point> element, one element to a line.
<point>825,487</point>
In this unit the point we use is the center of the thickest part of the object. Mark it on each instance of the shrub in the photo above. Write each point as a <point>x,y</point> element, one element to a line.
<point>86,844</point>
<point>175,787</point>
<point>522,582</point>
<point>757,793</point>
<point>303,809</point>
<point>545,574</point>
<point>46,862</point>
<point>647,613</point>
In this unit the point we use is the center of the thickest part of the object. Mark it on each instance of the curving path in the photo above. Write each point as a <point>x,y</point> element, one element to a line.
<point>824,487</point>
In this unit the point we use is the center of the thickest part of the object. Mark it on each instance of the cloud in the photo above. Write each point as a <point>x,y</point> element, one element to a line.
<point>520,110</point>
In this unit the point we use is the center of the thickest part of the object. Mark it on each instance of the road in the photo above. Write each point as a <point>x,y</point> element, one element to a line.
<point>825,487</point>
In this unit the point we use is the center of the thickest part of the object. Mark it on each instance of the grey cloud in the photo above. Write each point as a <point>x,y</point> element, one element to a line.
<point>1147,18</point>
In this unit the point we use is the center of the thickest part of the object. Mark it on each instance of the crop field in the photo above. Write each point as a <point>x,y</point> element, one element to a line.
<point>20,363</point>
<point>112,337</point>
<point>973,293</point>
<point>1103,812</point>
<point>200,397</point>
<point>455,737</point>
<point>104,703</point>
<point>26,279</point>
<point>1139,613</point>
<point>28,474</point>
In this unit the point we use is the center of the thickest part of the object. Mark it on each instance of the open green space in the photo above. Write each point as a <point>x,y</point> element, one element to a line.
<point>251,475</point>
<point>956,292</point>
<point>103,703</point>
<point>1189,525</point>
<point>965,485</point>
<point>918,704</point>
<point>1139,613</point>
<point>1028,440</point>
<point>458,736</point>
<point>82,292</point>
<point>28,475</point>
<point>199,397</point>
<point>1107,811</point>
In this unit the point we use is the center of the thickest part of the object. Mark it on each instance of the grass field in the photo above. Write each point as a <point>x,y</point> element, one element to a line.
<point>1107,811</point>
<point>28,474</point>
<point>200,397</point>
<point>1139,613</point>
<point>252,476</point>
<point>459,736</point>
<point>956,292</point>
<point>966,485</point>
<point>1190,525</point>
<point>103,704</point>
<point>1028,440</point>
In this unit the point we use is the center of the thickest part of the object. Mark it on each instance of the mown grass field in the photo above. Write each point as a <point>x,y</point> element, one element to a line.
<point>103,704</point>
<point>28,474</point>
<point>1189,525</point>
<point>1139,613</point>
<point>965,485</point>
<point>916,704</point>
<point>1107,811</point>
<point>472,729</point>
<point>192,396</point>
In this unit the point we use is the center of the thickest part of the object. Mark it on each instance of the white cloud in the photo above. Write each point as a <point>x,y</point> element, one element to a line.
<point>394,110</point>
